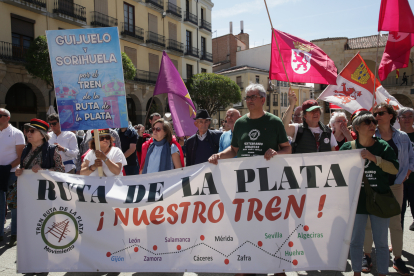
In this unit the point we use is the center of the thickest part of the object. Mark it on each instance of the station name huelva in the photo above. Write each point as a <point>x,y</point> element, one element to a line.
<point>191,212</point>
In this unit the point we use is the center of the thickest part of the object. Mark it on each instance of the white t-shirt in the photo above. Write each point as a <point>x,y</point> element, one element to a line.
<point>115,155</point>
<point>315,130</point>
<point>10,137</point>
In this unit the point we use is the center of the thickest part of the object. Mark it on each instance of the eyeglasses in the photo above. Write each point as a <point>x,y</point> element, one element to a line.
<point>369,121</point>
<point>406,118</point>
<point>32,130</point>
<point>252,98</point>
<point>107,137</point>
<point>53,124</point>
<point>156,129</point>
<point>381,113</point>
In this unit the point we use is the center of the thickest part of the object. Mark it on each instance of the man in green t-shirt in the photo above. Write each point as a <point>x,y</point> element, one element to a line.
<point>256,133</point>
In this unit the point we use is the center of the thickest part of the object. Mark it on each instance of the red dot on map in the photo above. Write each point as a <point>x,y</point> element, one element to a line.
<point>202,237</point>
<point>178,247</point>
<point>154,247</point>
<point>295,262</point>
<point>136,249</point>
<point>226,261</point>
<point>108,254</point>
<point>260,243</point>
<point>306,228</point>
<point>290,244</point>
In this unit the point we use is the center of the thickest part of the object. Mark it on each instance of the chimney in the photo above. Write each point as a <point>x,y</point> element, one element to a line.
<point>231,27</point>
<point>241,26</point>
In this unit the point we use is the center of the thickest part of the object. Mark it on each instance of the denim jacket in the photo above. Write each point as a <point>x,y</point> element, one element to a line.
<point>405,153</point>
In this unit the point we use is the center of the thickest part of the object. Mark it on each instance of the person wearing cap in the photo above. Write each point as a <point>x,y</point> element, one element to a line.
<point>11,148</point>
<point>311,135</point>
<point>256,133</point>
<point>406,120</point>
<point>38,155</point>
<point>84,147</point>
<point>65,141</point>
<point>204,143</point>
<point>401,144</point>
<point>380,162</point>
<point>109,157</point>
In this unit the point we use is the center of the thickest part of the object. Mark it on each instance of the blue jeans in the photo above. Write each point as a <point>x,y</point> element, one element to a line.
<point>131,170</point>
<point>379,233</point>
<point>3,203</point>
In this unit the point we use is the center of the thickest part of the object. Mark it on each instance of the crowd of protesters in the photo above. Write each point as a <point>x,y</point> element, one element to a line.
<point>134,150</point>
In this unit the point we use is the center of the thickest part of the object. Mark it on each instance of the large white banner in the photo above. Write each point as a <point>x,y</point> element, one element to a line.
<point>295,212</point>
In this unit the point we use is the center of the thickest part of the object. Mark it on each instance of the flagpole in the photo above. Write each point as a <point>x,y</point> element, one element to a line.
<point>277,44</point>
<point>375,73</point>
<point>149,108</point>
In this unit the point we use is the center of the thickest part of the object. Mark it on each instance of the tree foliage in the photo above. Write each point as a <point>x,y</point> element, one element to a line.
<point>37,60</point>
<point>212,92</point>
<point>129,68</point>
<point>38,63</point>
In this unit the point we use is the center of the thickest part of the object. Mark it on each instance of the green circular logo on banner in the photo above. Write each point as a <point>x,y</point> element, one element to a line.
<point>61,232</point>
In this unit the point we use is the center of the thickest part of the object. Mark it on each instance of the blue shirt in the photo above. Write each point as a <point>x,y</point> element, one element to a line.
<point>225,140</point>
<point>154,159</point>
<point>405,153</point>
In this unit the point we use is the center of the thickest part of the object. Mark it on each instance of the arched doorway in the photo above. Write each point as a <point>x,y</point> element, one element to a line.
<point>404,100</point>
<point>156,107</point>
<point>21,101</point>
<point>131,111</point>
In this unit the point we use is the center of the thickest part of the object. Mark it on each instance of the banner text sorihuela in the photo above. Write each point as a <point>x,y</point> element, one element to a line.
<point>152,192</point>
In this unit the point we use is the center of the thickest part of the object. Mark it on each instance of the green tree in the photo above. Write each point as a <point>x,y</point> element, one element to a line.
<point>38,63</point>
<point>211,92</point>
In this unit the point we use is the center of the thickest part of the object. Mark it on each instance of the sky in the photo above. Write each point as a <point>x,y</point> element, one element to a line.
<point>307,19</point>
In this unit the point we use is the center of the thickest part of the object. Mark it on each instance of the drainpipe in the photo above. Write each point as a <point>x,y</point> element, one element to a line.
<point>198,61</point>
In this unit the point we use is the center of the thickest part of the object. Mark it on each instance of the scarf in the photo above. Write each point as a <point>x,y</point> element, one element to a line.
<point>165,159</point>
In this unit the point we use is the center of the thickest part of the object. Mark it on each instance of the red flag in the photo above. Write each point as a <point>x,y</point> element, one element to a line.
<point>304,61</point>
<point>396,16</point>
<point>332,106</point>
<point>396,53</point>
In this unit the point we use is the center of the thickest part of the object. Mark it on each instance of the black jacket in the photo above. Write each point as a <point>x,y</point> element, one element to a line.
<point>213,137</point>
<point>48,152</point>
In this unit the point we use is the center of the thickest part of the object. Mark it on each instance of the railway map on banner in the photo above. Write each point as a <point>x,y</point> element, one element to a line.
<point>246,215</point>
<point>88,78</point>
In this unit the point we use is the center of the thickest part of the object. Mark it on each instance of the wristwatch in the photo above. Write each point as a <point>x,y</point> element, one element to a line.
<point>106,160</point>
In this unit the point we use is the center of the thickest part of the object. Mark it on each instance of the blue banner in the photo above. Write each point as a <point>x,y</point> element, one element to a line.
<point>88,78</point>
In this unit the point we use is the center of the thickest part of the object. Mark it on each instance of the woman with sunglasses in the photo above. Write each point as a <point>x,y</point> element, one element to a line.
<point>162,154</point>
<point>110,158</point>
<point>380,162</point>
<point>401,144</point>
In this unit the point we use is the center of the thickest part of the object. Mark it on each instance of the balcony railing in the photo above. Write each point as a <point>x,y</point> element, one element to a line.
<point>9,51</point>
<point>102,20</point>
<point>39,3</point>
<point>190,17</point>
<point>155,38</point>
<point>393,81</point>
<point>157,3</point>
<point>71,9</point>
<point>206,56</point>
<point>146,76</point>
<point>174,9</point>
<point>132,31</point>
<point>205,25</point>
<point>175,45</point>
<point>240,84</point>
<point>191,51</point>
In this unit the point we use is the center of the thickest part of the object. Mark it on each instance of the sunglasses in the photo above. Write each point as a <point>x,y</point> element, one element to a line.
<point>381,113</point>
<point>369,121</point>
<point>107,137</point>
<point>53,124</point>
<point>156,129</point>
<point>251,98</point>
<point>31,130</point>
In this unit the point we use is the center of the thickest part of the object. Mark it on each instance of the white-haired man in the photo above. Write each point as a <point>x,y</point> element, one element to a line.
<point>231,117</point>
<point>11,148</point>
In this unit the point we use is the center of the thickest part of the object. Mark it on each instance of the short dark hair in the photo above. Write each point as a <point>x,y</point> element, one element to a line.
<point>153,115</point>
<point>390,110</point>
<point>53,117</point>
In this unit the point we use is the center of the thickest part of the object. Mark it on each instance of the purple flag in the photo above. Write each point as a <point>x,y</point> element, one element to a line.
<point>181,106</point>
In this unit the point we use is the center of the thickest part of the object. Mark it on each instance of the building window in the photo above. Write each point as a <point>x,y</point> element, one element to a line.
<point>188,40</point>
<point>187,7</point>
<point>268,100</point>
<point>129,18</point>
<point>257,79</point>
<point>202,14</point>
<point>203,70</point>
<point>189,71</point>
<point>22,34</point>
<point>203,46</point>
<point>285,100</point>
